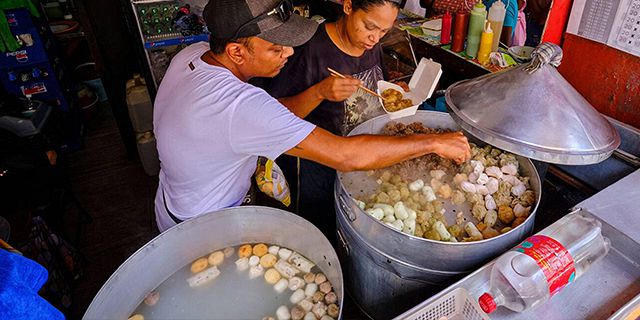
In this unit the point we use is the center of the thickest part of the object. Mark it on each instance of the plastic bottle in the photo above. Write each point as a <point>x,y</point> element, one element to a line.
<point>543,264</point>
<point>66,10</point>
<point>445,33</point>
<point>460,27</point>
<point>496,16</point>
<point>139,104</point>
<point>148,153</point>
<point>476,24</point>
<point>485,44</point>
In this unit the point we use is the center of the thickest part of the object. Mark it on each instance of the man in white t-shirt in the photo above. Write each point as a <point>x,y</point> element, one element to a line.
<point>211,125</point>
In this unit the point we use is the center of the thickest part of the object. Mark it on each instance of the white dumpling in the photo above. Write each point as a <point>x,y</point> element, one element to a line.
<point>468,187</point>
<point>483,178</point>
<point>509,169</point>
<point>377,213</point>
<point>493,171</point>
<point>518,189</point>
<point>416,185</point>
<point>492,185</point>
<point>521,211</point>
<point>489,202</point>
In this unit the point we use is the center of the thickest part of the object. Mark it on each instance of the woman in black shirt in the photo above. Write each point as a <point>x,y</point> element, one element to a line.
<point>351,47</point>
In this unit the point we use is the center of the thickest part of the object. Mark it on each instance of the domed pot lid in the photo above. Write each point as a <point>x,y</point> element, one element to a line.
<point>532,111</point>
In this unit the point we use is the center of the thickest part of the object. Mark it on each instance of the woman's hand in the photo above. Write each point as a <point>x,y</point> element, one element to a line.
<point>337,89</point>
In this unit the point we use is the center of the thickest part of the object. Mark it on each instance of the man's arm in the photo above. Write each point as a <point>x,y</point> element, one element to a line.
<point>331,88</point>
<point>365,152</point>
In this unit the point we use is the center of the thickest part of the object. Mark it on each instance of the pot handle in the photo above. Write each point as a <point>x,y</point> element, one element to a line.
<point>343,242</point>
<point>347,206</point>
<point>390,266</point>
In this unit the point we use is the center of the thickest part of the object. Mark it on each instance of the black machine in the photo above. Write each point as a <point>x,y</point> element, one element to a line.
<point>22,116</point>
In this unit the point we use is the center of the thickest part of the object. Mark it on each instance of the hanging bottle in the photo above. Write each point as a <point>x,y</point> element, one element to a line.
<point>476,24</point>
<point>496,16</point>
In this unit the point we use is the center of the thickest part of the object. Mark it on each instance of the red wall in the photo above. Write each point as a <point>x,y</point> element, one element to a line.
<point>608,78</point>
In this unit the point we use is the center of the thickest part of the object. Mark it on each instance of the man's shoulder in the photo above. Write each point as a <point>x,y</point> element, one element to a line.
<point>198,48</point>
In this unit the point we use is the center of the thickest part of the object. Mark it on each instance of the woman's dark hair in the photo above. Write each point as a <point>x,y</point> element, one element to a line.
<point>218,45</point>
<point>364,5</point>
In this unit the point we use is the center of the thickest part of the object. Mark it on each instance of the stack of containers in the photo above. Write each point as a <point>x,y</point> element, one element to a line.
<point>141,114</point>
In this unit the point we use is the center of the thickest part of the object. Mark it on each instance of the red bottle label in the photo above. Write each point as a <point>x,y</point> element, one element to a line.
<point>554,260</point>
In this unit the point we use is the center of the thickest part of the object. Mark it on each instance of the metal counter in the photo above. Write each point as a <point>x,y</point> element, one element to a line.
<point>606,287</point>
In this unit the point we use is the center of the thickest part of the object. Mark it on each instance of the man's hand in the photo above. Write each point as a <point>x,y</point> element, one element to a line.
<point>337,89</point>
<point>452,145</point>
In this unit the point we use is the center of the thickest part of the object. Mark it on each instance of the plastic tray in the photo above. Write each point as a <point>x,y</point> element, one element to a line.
<point>455,305</point>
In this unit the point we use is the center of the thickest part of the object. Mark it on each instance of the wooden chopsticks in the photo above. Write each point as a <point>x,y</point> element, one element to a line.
<point>340,75</point>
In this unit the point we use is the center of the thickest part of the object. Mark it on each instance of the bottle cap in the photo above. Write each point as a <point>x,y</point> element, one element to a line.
<point>497,4</point>
<point>487,303</point>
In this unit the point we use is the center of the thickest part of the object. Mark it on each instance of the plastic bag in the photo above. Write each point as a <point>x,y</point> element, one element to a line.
<point>271,181</point>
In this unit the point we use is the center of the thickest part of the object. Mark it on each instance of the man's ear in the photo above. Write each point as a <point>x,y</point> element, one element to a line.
<point>236,52</point>
<point>346,7</point>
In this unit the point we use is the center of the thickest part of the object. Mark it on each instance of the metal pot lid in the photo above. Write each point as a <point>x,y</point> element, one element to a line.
<point>532,111</point>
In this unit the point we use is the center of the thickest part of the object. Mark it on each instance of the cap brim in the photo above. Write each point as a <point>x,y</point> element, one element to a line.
<point>293,33</point>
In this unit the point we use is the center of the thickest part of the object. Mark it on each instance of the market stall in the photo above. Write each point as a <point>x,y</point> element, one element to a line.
<point>406,232</point>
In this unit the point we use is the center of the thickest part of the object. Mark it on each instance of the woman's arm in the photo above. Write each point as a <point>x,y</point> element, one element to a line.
<point>331,88</point>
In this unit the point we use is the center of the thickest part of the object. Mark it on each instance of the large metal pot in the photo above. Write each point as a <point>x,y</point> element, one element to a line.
<point>161,257</point>
<point>384,264</point>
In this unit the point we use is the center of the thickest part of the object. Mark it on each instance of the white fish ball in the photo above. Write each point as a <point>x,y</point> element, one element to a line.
<point>310,289</point>
<point>297,296</point>
<point>274,250</point>
<point>296,283</point>
<point>242,264</point>
<point>284,253</point>
<point>283,313</point>
<point>281,285</point>
<point>254,261</point>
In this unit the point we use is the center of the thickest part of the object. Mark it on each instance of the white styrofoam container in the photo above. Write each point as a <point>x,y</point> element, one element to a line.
<point>422,84</point>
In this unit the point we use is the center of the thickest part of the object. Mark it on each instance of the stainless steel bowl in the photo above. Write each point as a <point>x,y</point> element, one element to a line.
<point>148,267</point>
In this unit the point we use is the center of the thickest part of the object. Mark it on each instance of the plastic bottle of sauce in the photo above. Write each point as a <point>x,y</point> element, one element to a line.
<point>476,24</point>
<point>485,44</point>
<point>445,33</point>
<point>496,16</point>
<point>460,27</point>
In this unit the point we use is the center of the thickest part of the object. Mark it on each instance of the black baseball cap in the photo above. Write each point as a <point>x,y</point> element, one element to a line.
<point>270,20</point>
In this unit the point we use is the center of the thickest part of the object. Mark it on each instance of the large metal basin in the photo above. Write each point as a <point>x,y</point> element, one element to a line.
<point>161,257</point>
<point>395,263</point>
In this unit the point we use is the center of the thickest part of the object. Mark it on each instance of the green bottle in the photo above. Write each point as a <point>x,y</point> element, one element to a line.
<point>476,25</point>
